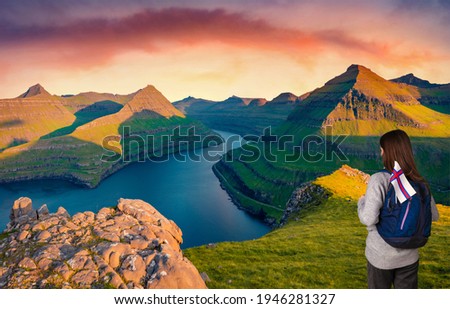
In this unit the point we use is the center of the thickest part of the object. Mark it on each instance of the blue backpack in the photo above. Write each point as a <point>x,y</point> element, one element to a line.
<point>406,225</point>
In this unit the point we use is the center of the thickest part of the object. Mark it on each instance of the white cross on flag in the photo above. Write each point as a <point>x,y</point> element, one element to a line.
<point>402,187</point>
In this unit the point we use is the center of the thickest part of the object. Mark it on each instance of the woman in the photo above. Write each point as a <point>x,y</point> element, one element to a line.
<point>386,265</point>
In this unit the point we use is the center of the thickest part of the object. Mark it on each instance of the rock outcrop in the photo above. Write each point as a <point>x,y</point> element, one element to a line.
<point>304,196</point>
<point>310,194</point>
<point>128,246</point>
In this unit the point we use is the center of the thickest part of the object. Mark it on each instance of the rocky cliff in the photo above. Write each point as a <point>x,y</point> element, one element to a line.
<point>128,246</point>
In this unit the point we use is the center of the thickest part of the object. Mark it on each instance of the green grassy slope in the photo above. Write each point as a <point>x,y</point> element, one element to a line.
<point>433,96</point>
<point>436,98</point>
<point>321,246</point>
<point>87,114</point>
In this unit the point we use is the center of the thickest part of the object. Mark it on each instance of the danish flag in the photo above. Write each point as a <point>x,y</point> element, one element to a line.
<point>402,187</point>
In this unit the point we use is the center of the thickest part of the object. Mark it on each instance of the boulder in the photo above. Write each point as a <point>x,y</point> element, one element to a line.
<point>27,263</point>
<point>43,211</point>
<point>21,207</point>
<point>43,236</point>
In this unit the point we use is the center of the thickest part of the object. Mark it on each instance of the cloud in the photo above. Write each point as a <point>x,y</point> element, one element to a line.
<point>90,42</point>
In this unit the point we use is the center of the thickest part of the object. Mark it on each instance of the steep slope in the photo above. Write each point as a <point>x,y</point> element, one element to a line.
<point>147,107</point>
<point>33,114</point>
<point>359,102</point>
<point>320,245</point>
<point>150,99</point>
<point>434,96</point>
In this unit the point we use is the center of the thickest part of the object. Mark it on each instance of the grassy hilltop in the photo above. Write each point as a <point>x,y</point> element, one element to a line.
<point>320,246</point>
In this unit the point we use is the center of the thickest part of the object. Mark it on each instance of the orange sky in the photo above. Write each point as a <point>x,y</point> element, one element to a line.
<point>212,49</point>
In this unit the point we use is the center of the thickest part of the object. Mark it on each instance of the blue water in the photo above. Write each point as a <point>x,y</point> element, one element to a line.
<point>187,192</point>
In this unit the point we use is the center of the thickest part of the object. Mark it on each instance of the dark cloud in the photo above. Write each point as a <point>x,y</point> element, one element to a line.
<point>78,35</point>
<point>143,30</point>
<point>88,41</point>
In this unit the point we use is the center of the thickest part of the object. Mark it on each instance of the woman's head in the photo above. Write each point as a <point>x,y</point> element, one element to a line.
<point>396,146</point>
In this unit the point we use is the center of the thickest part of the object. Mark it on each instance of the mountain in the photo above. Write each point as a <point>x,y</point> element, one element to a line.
<point>146,105</point>
<point>285,98</point>
<point>75,103</point>
<point>412,80</point>
<point>31,115</point>
<point>319,245</point>
<point>36,90</point>
<point>191,105</point>
<point>234,101</point>
<point>244,116</point>
<point>150,99</point>
<point>257,102</point>
<point>83,251</point>
<point>340,122</point>
<point>88,148</point>
<point>360,102</point>
<point>434,96</point>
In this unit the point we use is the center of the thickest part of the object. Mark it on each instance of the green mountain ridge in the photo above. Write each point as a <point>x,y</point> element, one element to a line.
<point>73,150</point>
<point>412,80</point>
<point>360,102</point>
<point>434,96</point>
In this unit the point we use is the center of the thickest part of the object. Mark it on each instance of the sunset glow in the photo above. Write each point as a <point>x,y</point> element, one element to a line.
<point>215,49</point>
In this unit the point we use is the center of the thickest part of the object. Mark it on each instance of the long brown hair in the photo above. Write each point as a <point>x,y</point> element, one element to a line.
<point>397,147</point>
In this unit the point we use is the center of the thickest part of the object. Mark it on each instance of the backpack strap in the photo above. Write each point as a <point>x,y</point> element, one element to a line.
<point>392,201</point>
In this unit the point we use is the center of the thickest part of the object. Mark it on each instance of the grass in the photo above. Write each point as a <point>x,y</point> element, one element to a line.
<point>83,116</point>
<point>320,247</point>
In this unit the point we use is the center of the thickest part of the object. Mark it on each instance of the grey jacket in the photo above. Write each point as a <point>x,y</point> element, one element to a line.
<point>378,252</point>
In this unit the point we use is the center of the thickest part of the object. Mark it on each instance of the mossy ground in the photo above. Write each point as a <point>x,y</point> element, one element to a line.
<point>320,247</point>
